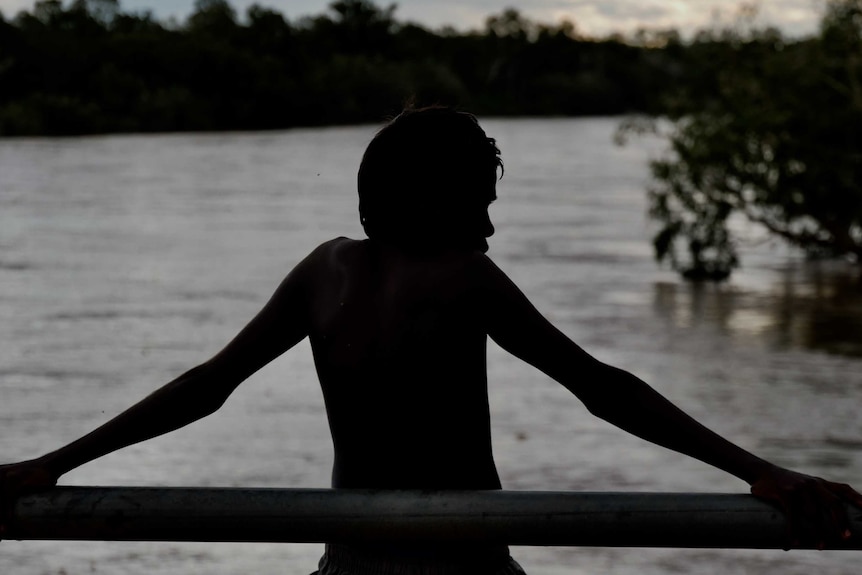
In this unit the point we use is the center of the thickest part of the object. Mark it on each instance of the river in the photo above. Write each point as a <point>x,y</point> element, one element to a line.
<point>125,260</point>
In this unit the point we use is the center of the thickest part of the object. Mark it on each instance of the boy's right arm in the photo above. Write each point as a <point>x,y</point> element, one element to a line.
<point>281,324</point>
<point>627,402</point>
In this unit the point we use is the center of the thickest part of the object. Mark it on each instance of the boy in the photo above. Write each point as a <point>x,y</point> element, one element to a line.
<point>398,325</point>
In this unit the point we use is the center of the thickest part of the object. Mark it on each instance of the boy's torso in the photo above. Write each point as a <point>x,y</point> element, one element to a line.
<point>399,344</point>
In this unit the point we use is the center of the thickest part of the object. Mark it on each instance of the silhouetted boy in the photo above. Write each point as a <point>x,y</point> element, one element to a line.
<point>398,325</point>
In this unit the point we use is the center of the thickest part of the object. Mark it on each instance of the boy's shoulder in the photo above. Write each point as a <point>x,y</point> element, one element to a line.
<point>343,254</point>
<point>348,248</point>
<point>336,248</point>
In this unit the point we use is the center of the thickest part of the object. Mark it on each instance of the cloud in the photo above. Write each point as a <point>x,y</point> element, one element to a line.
<point>641,11</point>
<point>10,8</point>
<point>593,17</point>
<point>603,17</point>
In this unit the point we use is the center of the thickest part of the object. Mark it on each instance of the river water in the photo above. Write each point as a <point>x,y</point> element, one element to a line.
<point>125,260</point>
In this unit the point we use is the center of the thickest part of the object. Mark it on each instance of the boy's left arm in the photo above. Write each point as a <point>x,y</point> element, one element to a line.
<point>627,402</point>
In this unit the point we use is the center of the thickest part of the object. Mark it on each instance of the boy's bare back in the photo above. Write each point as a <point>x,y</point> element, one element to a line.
<point>399,344</point>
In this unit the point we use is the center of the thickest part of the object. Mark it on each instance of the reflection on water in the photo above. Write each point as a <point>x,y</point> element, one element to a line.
<point>810,305</point>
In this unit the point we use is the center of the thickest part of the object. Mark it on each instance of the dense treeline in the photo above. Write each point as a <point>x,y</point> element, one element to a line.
<point>89,67</point>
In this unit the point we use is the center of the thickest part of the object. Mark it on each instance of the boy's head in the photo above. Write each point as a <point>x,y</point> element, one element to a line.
<point>426,181</point>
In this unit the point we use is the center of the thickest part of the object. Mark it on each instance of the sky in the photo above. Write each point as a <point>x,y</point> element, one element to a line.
<point>591,17</point>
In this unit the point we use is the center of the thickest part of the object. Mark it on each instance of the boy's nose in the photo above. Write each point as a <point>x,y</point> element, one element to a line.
<point>487,226</point>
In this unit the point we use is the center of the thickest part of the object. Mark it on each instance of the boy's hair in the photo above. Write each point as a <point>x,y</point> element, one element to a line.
<point>424,175</point>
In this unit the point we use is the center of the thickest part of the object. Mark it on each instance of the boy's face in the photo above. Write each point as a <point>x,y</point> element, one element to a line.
<point>479,222</point>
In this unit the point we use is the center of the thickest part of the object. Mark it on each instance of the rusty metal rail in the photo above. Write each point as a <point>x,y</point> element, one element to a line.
<point>332,515</point>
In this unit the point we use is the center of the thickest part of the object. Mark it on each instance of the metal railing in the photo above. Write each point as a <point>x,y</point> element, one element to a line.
<point>333,515</point>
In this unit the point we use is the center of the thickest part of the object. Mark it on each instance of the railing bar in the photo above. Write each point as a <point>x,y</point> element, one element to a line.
<point>545,518</point>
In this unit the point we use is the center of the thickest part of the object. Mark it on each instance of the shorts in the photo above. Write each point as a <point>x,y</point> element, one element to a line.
<point>346,560</point>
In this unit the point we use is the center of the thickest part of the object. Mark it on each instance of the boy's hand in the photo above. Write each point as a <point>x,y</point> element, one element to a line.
<point>814,508</point>
<point>17,479</point>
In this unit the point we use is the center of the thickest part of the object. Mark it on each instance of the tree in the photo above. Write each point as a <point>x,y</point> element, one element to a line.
<point>511,24</point>
<point>214,17</point>
<point>103,11</point>
<point>363,27</point>
<point>770,131</point>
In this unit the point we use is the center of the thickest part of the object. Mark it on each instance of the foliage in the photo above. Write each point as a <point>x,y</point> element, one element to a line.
<point>88,66</point>
<point>770,131</point>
